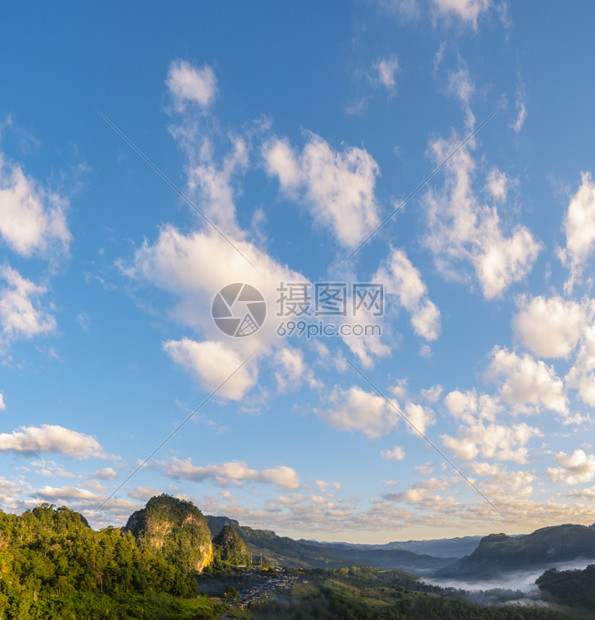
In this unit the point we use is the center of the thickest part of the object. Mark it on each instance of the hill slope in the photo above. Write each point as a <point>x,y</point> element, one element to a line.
<point>304,554</point>
<point>499,553</point>
<point>176,528</point>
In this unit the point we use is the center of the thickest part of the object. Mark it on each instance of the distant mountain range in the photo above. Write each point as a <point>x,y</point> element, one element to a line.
<point>469,557</point>
<point>498,553</point>
<point>428,556</point>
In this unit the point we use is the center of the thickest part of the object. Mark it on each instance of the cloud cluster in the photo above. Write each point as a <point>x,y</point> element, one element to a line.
<point>235,472</point>
<point>32,220</point>
<point>461,230</point>
<point>21,313</point>
<point>337,187</point>
<point>576,467</point>
<point>357,410</point>
<point>579,227</point>
<point>467,11</point>
<point>527,383</point>
<point>402,280</point>
<point>191,84</point>
<point>51,438</point>
<point>503,443</point>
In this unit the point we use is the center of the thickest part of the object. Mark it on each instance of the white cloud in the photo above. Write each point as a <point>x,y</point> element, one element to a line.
<point>2,403</point>
<point>394,454</point>
<point>50,438</point>
<point>579,226</point>
<point>576,467</point>
<point>292,370</point>
<point>193,267</point>
<point>419,417</point>
<point>337,187</point>
<point>212,183</point>
<point>504,443</point>
<point>498,184</point>
<point>499,483</point>
<point>214,363</point>
<point>463,231</point>
<point>32,220</point>
<point>50,469</point>
<point>234,471</point>
<point>357,410</point>
<point>107,473</point>
<point>469,407</point>
<point>461,86</point>
<point>20,313</point>
<point>466,10</point>
<point>386,68</point>
<point>585,494</point>
<point>432,394</point>
<point>401,279</point>
<point>527,381</point>
<point>188,83</point>
<point>521,115</point>
<point>52,494</point>
<point>550,327</point>
<point>582,374</point>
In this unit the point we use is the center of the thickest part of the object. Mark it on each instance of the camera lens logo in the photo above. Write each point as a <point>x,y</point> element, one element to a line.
<point>239,310</point>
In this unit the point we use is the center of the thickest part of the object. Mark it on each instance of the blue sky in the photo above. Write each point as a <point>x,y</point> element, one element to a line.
<point>287,134</point>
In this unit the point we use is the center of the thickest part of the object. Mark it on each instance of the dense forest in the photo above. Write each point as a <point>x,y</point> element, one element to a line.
<point>570,587</point>
<point>159,566</point>
<point>53,565</point>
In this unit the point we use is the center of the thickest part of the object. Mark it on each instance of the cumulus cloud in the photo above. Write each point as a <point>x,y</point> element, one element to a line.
<point>193,267</point>
<point>337,187</point>
<point>292,371</point>
<point>497,184</point>
<point>504,443</point>
<point>357,410</point>
<point>579,227</point>
<point>550,327</point>
<point>107,473</point>
<point>187,83</point>
<point>234,471</point>
<point>584,494</point>
<point>214,363</point>
<point>32,220</point>
<point>401,279</point>
<point>21,314</point>
<point>582,374</point>
<point>50,438</point>
<point>499,483</point>
<point>386,69</point>
<point>468,407</point>
<point>576,467</point>
<point>2,403</point>
<point>467,11</point>
<point>527,382</point>
<point>51,494</point>
<point>419,417</point>
<point>461,230</point>
<point>394,454</point>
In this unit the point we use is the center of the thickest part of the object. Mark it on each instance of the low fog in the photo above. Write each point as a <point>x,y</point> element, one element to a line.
<point>517,586</point>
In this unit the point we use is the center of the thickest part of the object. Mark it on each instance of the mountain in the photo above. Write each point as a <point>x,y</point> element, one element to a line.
<point>230,549</point>
<point>176,528</point>
<point>498,553</point>
<point>285,551</point>
<point>438,548</point>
